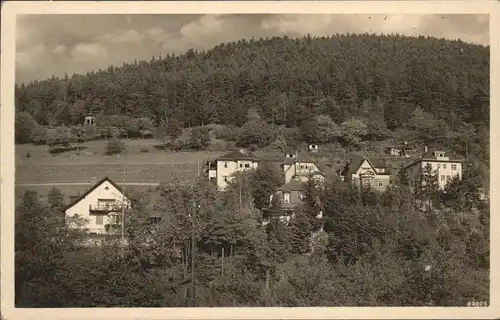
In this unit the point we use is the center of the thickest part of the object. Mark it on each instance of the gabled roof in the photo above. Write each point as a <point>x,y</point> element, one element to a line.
<point>95,186</point>
<point>288,161</point>
<point>378,163</point>
<point>356,161</point>
<point>305,158</point>
<point>235,155</point>
<point>292,185</point>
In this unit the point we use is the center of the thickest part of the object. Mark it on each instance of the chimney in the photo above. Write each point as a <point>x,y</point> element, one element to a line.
<point>244,151</point>
<point>425,149</point>
<point>93,181</point>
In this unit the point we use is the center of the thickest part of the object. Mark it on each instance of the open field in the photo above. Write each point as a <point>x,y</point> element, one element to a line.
<point>151,173</point>
<point>94,154</point>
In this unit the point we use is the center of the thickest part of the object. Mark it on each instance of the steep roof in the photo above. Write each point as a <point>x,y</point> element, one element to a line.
<point>288,161</point>
<point>355,162</point>
<point>235,155</point>
<point>304,157</point>
<point>95,186</point>
<point>292,185</point>
<point>378,163</point>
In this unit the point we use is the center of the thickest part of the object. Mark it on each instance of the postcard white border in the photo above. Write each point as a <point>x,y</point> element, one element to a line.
<point>8,25</point>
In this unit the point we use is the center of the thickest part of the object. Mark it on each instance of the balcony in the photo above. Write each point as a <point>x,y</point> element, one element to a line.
<point>104,208</point>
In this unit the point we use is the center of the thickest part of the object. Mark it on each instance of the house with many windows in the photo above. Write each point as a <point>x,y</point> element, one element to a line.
<point>443,166</point>
<point>221,170</point>
<point>370,172</point>
<point>101,206</point>
<point>301,167</point>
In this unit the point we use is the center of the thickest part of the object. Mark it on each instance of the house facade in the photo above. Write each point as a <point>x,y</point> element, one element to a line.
<point>301,167</point>
<point>227,165</point>
<point>442,166</point>
<point>101,206</point>
<point>365,172</point>
<point>289,196</point>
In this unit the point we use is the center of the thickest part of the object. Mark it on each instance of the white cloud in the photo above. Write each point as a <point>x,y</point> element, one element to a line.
<point>159,35</point>
<point>206,26</point>
<point>88,52</point>
<point>129,36</point>
<point>59,49</point>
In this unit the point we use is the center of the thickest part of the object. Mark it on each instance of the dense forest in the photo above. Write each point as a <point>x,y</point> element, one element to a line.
<point>378,80</point>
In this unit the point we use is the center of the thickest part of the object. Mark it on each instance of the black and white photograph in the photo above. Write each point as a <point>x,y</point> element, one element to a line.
<point>172,158</point>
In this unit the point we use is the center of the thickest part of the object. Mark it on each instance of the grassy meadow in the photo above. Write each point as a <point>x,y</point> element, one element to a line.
<point>141,162</point>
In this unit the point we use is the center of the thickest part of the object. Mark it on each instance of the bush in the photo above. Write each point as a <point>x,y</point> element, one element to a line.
<point>144,150</point>
<point>115,146</point>
<point>28,155</point>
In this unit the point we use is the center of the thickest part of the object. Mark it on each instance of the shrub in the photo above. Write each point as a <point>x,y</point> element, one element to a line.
<point>28,155</point>
<point>115,146</point>
<point>144,150</point>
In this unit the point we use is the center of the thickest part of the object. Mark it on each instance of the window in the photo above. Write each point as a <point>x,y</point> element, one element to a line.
<point>225,164</point>
<point>225,178</point>
<point>247,165</point>
<point>444,166</point>
<point>241,165</point>
<point>302,196</point>
<point>443,178</point>
<point>286,197</point>
<point>439,165</point>
<point>380,183</point>
<point>448,178</point>
<point>453,167</point>
<point>301,166</point>
<point>99,220</point>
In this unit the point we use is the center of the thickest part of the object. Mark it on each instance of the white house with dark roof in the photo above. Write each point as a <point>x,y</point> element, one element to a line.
<point>372,172</point>
<point>225,166</point>
<point>101,206</point>
<point>301,167</point>
<point>443,166</point>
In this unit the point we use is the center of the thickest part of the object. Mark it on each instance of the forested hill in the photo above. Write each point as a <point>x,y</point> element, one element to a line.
<point>287,80</point>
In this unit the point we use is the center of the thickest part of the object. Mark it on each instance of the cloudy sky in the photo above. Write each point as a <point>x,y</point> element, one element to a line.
<point>49,45</point>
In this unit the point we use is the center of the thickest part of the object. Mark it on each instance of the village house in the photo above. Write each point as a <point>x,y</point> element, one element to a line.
<point>221,170</point>
<point>301,167</point>
<point>371,172</point>
<point>288,196</point>
<point>444,167</point>
<point>101,206</point>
